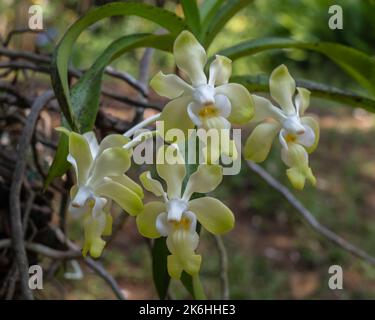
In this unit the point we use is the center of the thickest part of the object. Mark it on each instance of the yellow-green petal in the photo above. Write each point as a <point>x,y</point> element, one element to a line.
<point>241,102</point>
<point>190,57</point>
<point>129,183</point>
<point>175,116</point>
<point>170,166</point>
<point>174,266</point>
<point>146,220</point>
<point>204,180</point>
<point>170,85</point>
<point>112,140</point>
<point>112,162</point>
<point>150,184</point>
<point>282,88</point>
<point>123,196</point>
<point>302,100</point>
<point>220,71</point>
<point>258,144</point>
<point>79,150</point>
<point>214,216</point>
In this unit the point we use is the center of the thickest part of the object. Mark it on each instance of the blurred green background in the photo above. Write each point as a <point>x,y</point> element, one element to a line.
<point>272,253</point>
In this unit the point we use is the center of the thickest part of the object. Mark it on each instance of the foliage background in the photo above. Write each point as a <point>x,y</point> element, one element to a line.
<point>272,254</point>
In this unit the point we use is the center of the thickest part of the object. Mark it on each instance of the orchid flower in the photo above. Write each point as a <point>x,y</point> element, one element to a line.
<point>177,215</point>
<point>298,134</point>
<point>100,178</point>
<point>212,103</point>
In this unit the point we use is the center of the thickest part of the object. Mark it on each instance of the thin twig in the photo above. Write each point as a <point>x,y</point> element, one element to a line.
<point>308,216</point>
<point>223,267</point>
<point>15,192</point>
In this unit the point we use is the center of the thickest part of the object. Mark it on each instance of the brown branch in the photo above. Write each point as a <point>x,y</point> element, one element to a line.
<point>308,216</point>
<point>15,192</point>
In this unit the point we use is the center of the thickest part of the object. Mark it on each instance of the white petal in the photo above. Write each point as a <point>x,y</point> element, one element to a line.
<point>170,85</point>
<point>190,57</point>
<point>193,112</point>
<point>162,224</point>
<point>222,103</point>
<point>282,88</point>
<point>308,138</point>
<point>93,143</point>
<point>204,94</point>
<point>98,206</point>
<point>175,208</point>
<point>83,194</point>
<point>220,70</point>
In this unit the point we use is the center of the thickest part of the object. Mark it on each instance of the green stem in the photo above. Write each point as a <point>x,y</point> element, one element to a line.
<point>198,288</point>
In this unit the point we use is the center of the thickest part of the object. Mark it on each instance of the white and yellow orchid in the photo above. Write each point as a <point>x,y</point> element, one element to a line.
<point>100,178</point>
<point>298,134</point>
<point>176,217</point>
<point>212,103</point>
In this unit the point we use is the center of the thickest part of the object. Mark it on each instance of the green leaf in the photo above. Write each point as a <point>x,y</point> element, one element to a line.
<point>59,165</point>
<point>220,19</point>
<point>85,93</point>
<point>260,84</point>
<point>192,16</point>
<point>355,63</point>
<point>160,253</point>
<point>63,51</point>
<point>187,281</point>
<point>208,9</point>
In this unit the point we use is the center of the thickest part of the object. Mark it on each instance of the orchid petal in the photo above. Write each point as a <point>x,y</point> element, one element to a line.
<point>111,162</point>
<point>129,183</point>
<point>175,115</point>
<point>314,125</point>
<point>151,184</point>
<point>204,180</point>
<point>93,143</point>
<point>265,109</point>
<point>80,156</point>
<point>223,105</point>
<point>170,166</point>
<point>258,144</point>
<point>123,196</point>
<point>170,85</point>
<point>190,57</point>
<point>111,141</point>
<point>282,88</point>
<point>302,100</point>
<point>220,71</point>
<point>214,216</point>
<point>146,220</point>
<point>242,105</point>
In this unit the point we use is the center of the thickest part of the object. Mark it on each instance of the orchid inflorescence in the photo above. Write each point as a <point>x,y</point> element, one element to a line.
<point>208,103</point>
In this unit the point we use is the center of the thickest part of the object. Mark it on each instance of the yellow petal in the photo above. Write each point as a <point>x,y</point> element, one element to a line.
<point>174,267</point>
<point>258,144</point>
<point>190,57</point>
<point>241,102</point>
<point>129,183</point>
<point>214,216</point>
<point>113,140</point>
<point>146,220</point>
<point>150,184</point>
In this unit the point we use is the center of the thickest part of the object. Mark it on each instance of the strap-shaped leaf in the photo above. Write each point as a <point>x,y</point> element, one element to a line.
<point>260,84</point>
<point>355,63</point>
<point>220,19</point>
<point>192,16</point>
<point>208,9</point>
<point>62,53</point>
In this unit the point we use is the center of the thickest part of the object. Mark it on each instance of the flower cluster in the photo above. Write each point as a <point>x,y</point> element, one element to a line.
<point>208,103</point>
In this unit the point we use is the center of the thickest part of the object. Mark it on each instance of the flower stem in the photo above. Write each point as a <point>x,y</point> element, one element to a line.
<point>198,288</point>
<point>142,124</point>
<point>139,139</point>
